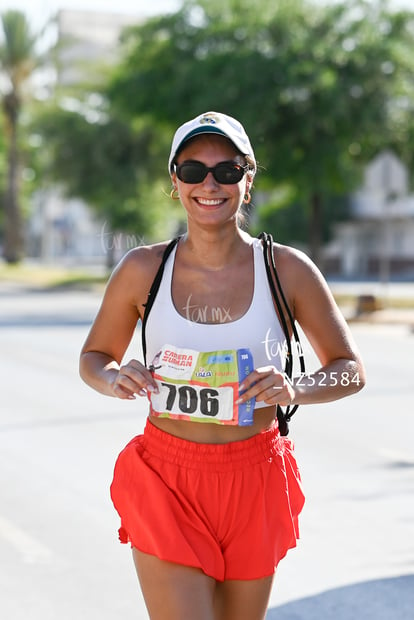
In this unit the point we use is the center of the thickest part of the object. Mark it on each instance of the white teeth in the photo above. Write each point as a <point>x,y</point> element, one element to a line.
<point>209,203</point>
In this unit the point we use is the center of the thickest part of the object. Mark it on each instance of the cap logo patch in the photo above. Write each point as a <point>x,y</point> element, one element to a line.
<point>209,119</point>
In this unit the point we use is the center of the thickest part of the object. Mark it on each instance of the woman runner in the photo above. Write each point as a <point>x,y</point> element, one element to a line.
<point>209,495</point>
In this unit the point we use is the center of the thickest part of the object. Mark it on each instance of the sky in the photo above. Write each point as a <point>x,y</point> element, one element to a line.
<point>39,11</point>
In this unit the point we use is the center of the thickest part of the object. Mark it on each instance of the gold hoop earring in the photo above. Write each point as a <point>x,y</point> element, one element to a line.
<point>247,198</point>
<point>174,194</point>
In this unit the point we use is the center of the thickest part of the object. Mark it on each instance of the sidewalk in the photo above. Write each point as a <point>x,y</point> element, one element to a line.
<point>13,298</point>
<point>386,316</point>
<point>371,302</point>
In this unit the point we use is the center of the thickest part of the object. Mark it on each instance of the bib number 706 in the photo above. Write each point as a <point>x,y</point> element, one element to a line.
<point>191,399</point>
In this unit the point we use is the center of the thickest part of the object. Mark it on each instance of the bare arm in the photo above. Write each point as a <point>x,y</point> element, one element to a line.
<point>341,372</point>
<point>122,306</point>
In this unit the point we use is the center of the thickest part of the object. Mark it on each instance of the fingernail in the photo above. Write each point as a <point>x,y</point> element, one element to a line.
<point>152,388</point>
<point>142,393</point>
<point>238,401</point>
<point>241,387</point>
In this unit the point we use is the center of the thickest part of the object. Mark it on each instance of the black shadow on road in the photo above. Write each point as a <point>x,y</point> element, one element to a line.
<point>382,599</point>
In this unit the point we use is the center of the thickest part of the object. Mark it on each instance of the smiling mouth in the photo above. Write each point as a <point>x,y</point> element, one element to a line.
<point>210,203</point>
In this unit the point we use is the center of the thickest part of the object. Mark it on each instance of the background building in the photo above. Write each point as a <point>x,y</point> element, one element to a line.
<point>87,38</point>
<point>378,242</point>
<point>61,228</point>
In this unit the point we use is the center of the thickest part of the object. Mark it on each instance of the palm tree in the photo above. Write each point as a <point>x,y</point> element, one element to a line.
<point>17,62</point>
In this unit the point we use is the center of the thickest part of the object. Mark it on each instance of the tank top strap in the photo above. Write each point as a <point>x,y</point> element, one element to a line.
<point>165,289</point>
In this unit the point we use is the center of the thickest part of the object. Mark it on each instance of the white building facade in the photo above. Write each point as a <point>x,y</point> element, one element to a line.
<point>67,229</point>
<point>378,242</point>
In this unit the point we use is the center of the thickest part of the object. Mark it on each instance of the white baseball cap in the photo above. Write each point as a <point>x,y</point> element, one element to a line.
<point>212,122</point>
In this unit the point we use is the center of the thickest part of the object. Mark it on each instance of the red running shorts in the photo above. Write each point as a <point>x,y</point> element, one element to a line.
<point>229,509</point>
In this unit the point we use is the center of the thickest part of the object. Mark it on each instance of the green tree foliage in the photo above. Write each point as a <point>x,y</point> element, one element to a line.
<point>314,85</point>
<point>100,161</point>
<point>111,164</point>
<point>17,62</point>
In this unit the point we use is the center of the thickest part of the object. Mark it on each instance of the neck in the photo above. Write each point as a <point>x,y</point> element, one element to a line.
<point>215,250</point>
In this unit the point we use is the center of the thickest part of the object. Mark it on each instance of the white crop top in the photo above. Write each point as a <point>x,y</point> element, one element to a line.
<point>258,329</point>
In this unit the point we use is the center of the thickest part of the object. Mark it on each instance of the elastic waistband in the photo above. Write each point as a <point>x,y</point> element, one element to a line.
<point>257,449</point>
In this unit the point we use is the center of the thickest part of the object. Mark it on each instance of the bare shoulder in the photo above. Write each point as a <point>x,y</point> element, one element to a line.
<point>135,272</point>
<point>292,259</point>
<point>142,258</point>
<point>298,273</point>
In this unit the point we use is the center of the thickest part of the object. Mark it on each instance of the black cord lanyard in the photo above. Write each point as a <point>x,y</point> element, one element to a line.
<point>280,301</point>
<point>153,292</point>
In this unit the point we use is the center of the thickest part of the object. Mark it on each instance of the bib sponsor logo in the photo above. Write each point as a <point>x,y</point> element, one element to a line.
<point>177,359</point>
<point>202,373</point>
<point>201,386</point>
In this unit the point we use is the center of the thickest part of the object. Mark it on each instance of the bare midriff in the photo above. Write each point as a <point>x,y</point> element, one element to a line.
<point>264,418</point>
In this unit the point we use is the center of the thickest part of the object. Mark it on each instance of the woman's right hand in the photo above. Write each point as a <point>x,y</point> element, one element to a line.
<point>131,379</point>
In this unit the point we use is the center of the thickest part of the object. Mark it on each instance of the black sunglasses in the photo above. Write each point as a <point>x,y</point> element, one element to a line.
<point>226,172</point>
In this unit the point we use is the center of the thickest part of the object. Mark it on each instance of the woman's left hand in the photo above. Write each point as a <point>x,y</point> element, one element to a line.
<point>269,385</point>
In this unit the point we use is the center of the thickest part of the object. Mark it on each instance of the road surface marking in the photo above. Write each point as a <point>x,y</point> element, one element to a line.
<point>31,549</point>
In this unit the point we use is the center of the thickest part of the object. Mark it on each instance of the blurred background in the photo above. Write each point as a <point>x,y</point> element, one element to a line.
<point>91,95</point>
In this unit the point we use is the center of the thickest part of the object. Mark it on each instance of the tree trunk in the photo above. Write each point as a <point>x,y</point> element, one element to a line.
<point>13,234</point>
<point>315,228</point>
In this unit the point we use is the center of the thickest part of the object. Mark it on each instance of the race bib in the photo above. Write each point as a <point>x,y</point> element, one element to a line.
<point>202,387</point>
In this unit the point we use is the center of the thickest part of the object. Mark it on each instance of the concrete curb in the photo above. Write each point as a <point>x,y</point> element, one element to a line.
<point>389,316</point>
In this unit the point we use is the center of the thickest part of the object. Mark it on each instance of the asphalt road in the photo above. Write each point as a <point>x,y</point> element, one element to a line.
<point>59,553</point>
